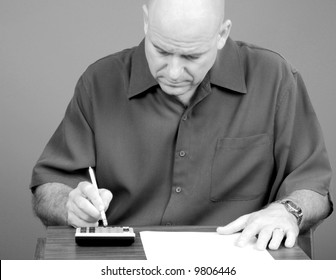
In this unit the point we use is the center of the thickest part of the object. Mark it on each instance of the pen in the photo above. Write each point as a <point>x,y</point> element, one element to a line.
<point>94,182</point>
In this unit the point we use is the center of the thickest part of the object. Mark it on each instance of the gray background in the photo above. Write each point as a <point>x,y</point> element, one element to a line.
<point>45,45</point>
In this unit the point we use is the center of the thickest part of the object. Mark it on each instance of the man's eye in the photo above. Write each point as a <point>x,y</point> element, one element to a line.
<point>163,53</point>
<point>191,57</point>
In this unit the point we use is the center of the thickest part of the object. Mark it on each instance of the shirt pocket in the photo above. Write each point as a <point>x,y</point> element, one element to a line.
<point>241,168</point>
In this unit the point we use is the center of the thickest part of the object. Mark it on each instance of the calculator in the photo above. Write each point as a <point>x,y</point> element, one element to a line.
<point>104,236</point>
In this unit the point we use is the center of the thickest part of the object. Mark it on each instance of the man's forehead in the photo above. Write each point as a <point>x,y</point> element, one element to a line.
<point>183,48</point>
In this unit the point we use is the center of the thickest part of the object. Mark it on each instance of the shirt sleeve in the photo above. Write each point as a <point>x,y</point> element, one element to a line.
<point>300,153</point>
<point>71,149</point>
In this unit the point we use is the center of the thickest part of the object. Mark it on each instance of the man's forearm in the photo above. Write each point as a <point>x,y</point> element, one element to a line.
<point>315,207</point>
<point>49,203</point>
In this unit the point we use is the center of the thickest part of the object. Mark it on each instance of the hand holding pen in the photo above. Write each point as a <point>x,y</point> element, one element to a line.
<point>87,204</point>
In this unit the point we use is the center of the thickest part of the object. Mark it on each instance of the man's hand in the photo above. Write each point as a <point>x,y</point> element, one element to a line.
<point>85,204</point>
<point>271,225</point>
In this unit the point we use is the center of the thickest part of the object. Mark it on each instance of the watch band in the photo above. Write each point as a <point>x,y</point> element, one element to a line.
<point>294,209</point>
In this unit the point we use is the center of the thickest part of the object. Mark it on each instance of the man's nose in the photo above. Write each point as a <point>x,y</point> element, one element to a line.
<point>175,68</point>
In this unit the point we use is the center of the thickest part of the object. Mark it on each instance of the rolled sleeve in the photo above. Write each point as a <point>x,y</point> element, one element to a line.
<point>300,153</point>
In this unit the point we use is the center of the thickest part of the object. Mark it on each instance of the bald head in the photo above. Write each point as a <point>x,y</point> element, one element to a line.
<point>219,4</point>
<point>189,6</point>
<point>186,17</point>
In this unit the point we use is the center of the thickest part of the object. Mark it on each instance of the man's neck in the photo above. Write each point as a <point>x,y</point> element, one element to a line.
<point>186,98</point>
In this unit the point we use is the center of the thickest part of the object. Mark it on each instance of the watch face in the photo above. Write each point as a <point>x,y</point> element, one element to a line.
<point>293,206</point>
<point>294,209</point>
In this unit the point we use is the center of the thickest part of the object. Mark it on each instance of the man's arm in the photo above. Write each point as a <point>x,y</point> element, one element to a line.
<point>49,203</point>
<point>315,207</point>
<point>59,204</point>
<point>274,223</point>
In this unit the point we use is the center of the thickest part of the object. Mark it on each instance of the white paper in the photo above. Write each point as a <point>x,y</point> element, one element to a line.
<point>198,246</point>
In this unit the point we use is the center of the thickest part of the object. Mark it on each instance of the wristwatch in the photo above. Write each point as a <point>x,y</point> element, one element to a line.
<point>292,208</point>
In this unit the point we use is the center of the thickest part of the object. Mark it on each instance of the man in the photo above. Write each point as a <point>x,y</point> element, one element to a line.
<point>189,127</point>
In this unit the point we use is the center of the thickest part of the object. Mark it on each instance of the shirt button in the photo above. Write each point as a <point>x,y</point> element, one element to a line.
<point>185,117</point>
<point>178,189</point>
<point>182,153</point>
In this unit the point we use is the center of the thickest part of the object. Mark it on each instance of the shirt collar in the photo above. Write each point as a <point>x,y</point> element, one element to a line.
<point>141,78</point>
<point>227,72</point>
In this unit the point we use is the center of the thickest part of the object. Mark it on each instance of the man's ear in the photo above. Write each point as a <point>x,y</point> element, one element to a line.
<point>145,17</point>
<point>224,33</point>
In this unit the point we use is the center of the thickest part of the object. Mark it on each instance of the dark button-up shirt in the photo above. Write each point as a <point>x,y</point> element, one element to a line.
<point>249,136</point>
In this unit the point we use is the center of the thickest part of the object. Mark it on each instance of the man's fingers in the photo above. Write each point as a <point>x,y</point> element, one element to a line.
<point>106,196</point>
<point>85,204</point>
<point>92,193</point>
<point>277,237</point>
<point>247,234</point>
<point>290,238</point>
<point>78,201</point>
<point>235,226</point>
<point>75,221</point>
<point>83,213</point>
<point>263,238</point>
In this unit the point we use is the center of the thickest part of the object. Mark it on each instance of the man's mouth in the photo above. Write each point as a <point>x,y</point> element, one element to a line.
<point>174,84</point>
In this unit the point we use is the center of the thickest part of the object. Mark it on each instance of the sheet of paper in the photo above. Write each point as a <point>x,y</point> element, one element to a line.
<point>198,246</point>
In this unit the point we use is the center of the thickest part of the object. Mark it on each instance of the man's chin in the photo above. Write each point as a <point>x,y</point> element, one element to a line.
<point>172,90</point>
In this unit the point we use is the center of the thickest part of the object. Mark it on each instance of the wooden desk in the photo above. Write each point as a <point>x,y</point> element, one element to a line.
<point>60,244</point>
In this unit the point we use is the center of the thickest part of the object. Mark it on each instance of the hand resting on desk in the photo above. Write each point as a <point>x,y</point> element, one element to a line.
<point>271,225</point>
<point>274,223</point>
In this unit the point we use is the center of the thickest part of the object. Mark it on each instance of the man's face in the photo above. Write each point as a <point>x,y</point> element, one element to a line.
<point>179,66</point>
<point>180,50</point>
